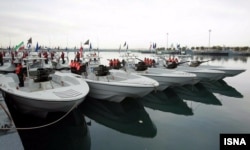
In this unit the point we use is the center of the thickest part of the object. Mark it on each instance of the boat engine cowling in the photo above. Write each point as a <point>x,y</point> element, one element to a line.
<point>101,70</point>
<point>42,75</point>
<point>141,66</point>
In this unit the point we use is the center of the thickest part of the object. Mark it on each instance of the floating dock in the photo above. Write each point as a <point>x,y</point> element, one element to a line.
<point>9,138</point>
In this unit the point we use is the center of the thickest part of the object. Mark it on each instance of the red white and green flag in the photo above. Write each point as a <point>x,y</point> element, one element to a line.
<point>19,47</point>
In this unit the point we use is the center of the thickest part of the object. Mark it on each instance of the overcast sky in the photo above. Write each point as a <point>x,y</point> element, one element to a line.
<point>109,23</point>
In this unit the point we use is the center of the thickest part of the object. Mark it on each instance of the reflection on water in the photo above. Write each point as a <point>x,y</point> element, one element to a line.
<point>167,101</point>
<point>128,117</point>
<point>197,93</point>
<point>223,88</point>
<point>70,133</point>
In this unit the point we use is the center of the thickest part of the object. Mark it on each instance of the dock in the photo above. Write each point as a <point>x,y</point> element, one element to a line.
<point>9,139</point>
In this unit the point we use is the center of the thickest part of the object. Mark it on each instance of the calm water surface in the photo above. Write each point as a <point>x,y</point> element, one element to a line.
<point>188,117</point>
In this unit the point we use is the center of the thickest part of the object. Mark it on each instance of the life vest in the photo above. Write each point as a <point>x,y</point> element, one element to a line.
<point>111,63</point>
<point>45,54</point>
<point>78,66</point>
<point>74,64</point>
<point>118,62</point>
<point>150,62</point>
<point>18,69</point>
<point>115,62</point>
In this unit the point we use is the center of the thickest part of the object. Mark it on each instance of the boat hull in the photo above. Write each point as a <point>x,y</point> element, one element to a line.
<point>229,71</point>
<point>168,78</point>
<point>204,74</point>
<point>116,92</point>
<point>60,94</point>
<point>29,105</point>
<point>118,85</point>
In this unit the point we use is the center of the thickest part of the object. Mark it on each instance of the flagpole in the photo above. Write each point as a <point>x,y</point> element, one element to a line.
<point>10,43</point>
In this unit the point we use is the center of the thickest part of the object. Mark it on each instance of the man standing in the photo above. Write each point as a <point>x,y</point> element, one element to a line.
<point>78,56</point>
<point>1,59</point>
<point>45,55</point>
<point>62,56</point>
<point>19,72</point>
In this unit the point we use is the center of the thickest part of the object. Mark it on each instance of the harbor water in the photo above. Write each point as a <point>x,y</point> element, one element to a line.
<point>187,117</point>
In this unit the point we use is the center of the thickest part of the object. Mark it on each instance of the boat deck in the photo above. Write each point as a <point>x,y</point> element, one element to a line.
<point>9,139</point>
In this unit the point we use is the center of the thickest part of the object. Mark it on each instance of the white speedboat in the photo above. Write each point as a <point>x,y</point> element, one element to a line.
<point>165,77</point>
<point>229,71</point>
<point>118,85</point>
<point>45,93</point>
<point>203,74</point>
<point>115,85</point>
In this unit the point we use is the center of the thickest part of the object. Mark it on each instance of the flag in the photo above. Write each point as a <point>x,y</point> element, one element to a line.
<point>20,46</point>
<point>124,44</point>
<point>37,47</point>
<point>87,42</point>
<point>29,41</point>
<point>150,47</point>
<point>90,46</point>
<point>154,45</point>
<point>178,46</point>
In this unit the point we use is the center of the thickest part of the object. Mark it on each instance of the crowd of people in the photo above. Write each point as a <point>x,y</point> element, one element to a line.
<point>149,62</point>
<point>172,60</point>
<point>114,63</point>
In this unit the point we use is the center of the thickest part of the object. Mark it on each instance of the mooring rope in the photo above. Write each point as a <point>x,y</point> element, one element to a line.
<point>38,127</point>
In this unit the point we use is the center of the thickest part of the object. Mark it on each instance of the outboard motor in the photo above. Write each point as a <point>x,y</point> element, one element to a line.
<point>172,65</point>
<point>42,75</point>
<point>141,66</point>
<point>101,70</point>
<point>83,69</point>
